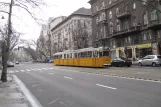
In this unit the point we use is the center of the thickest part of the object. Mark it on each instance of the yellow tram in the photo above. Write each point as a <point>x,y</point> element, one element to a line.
<point>87,57</point>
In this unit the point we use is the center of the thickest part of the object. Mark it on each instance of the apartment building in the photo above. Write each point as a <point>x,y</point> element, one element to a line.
<point>126,26</point>
<point>72,33</point>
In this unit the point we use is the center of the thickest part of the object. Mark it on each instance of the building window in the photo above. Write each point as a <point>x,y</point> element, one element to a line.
<point>118,25</point>
<point>96,8</point>
<point>134,5</point>
<point>129,39</point>
<point>145,16</point>
<point>97,20</point>
<point>144,2</point>
<point>111,28</point>
<point>117,11</point>
<point>154,15</point>
<point>126,25</point>
<point>103,5</point>
<point>159,2</point>
<point>149,36</point>
<point>110,2</point>
<point>126,40</point>
<point>110,15</point>
<point>144,36</point>
<point>103,16</point>
<point>159,33</point>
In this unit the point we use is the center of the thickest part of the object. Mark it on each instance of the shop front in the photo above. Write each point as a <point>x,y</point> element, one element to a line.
<point>143,50</point>
<point>123,52</point>
<point>159,48</point>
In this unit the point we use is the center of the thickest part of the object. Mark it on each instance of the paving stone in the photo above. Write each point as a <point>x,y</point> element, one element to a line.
<point>14,105</point>
<point>11,101</point>
<point>10,95</point>
<point>8,90</point>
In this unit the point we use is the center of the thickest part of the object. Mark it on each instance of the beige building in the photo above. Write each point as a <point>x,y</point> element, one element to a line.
<point>72,33</point>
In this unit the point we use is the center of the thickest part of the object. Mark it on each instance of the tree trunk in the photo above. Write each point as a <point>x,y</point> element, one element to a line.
<point>7,46</point>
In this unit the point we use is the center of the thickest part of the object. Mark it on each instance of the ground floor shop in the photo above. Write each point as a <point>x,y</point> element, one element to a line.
<point>136,52</point>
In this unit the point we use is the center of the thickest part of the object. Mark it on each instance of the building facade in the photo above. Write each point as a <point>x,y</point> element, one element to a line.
<point>126,26</point>
<point>72,33</point>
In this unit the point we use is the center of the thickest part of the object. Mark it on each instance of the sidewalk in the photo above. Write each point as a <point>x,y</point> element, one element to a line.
<point>10,94</point>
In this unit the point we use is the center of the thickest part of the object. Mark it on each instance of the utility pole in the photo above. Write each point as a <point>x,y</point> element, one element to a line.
<point>7,45</point>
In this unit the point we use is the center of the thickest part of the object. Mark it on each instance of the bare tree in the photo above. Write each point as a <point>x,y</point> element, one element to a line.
<point>26,5</point>
<point>30,51</point>
<point>80,35</point>
<point>151,4</point>
<point>42,48</point>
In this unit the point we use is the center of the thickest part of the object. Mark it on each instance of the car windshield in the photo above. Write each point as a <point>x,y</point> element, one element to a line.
<point>159,57</point>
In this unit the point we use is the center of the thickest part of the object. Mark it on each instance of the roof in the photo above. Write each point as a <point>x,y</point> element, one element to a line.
<point>80,12</point>
<point>83,11</point>
<point>91,1</point>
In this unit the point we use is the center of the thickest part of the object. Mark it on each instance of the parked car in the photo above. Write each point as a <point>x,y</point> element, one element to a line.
<point>152,60</point>
<point>10,64</point>
<point>16,62</point>
<point>118,62</point>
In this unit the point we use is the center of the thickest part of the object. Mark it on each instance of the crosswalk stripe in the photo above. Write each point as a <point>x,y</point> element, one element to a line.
<point>28,70</point>
<point>16,71</point>
<point>22,70</point>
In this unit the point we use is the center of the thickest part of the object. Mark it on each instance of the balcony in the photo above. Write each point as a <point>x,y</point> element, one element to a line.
<point>124,15</point>
<point>102,21</point>
<point>126,31</point>
<point>155,24</point>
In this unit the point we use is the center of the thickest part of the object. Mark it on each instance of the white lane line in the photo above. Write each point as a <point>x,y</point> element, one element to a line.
<point>28,70</point>
<point>50,68</point>
<point>68,77</point>
<point>22,70</point>
<point>106,87</point>
<point>11,71</point>
<point>16,71</point>
<point>54,101</point>
<point>51,73</point>
<point>36,85</point>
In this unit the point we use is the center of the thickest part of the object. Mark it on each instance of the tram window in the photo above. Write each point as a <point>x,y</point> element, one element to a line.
<point>96,54</point>
<point>79,55</point>
<point>89,54</point>
<point>100,54</point>
<point>64,56</point>
<point>75,55</point>
<point>70,55</point>
<point>67,56</point>
<point>82,55</point>
<point>105,53</point>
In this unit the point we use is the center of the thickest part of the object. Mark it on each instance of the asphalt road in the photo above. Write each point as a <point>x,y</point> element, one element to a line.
<point>54,87</point>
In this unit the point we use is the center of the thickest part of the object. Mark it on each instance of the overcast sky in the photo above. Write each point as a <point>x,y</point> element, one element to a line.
<point>24,23</point>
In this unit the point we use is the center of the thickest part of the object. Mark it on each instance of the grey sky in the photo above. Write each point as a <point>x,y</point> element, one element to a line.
<point>27,25</point>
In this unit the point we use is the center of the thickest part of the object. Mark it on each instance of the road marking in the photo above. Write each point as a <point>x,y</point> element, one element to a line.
<point>16,71</point>
<point>22,70</point>
<point>106,87</point>
<point>51,73</point>
<point>68,77</point>
<point>39,69</point>
<point>45,68</point>
<point>51,68</point>
<point>54,101</point>
<point>28,70</point>
<point>36,85</point>
<point>11,71</point>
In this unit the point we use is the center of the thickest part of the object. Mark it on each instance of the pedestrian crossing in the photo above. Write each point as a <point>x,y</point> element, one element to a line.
<point>29,70</point>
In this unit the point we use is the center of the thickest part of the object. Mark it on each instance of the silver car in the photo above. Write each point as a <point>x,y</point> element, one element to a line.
<point>153,60</point>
